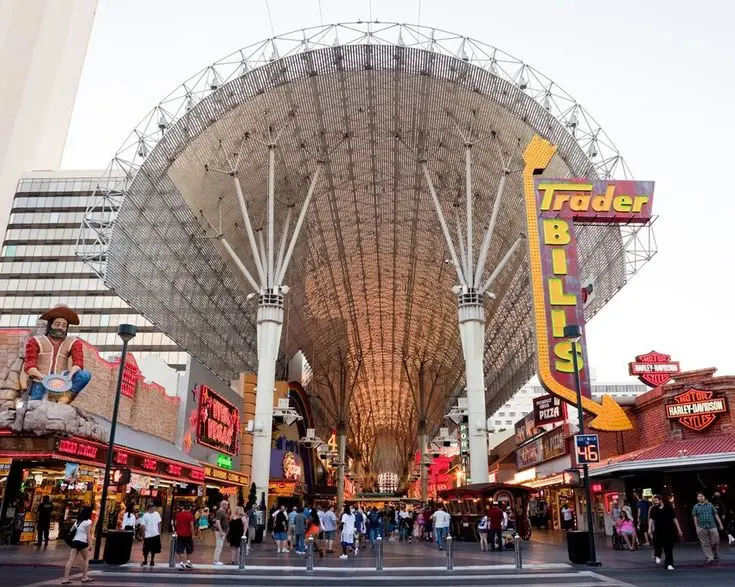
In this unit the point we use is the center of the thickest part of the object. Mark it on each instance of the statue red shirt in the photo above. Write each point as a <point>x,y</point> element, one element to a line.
<point>53,355</point>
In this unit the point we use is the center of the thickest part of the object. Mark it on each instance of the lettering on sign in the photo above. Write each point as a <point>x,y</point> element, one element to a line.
<point>550,445</point>
<point>552,207</point>
<point>149,464</point>
<point>218,422</point>
<point>172,469</point>
<point>696,409</point>
<point>525,429</point>
<point>131,374</point>
<point>76,448</point>
<point>548,409</point>
<point>121,458</point>
<point>654,369</point>
<point>223,475</point>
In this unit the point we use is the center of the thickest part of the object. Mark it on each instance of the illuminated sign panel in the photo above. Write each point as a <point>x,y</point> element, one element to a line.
<point>654,369</point>
<point>552,207</point>
<point>218,422</point>
<point>696,409</point>
<point>548,409</point>
<point>587,448</point>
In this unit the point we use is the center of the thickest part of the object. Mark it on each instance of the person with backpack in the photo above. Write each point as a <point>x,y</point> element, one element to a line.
<point>375,525</point>
<point>80,539</point>
<point>482,531</point>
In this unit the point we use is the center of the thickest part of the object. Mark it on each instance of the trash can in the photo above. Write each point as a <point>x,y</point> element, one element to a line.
<point>578,546</point>
<point>118,546</point>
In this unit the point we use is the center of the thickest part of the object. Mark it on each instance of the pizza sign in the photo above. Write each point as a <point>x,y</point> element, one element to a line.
<point>654,369</point>
<point>696,409</point>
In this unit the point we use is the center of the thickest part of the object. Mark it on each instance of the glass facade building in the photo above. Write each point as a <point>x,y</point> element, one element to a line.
<point>39,268</point>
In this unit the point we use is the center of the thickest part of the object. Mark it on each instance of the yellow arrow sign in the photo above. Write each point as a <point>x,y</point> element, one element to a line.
<point>608,414</point>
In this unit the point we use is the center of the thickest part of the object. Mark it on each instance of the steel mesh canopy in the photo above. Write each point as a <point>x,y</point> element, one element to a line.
<point>369,279</point>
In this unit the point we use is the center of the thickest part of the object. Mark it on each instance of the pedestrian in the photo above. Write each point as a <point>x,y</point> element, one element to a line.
<point>314,530</point>
<point>291,517</point>
<point>347,536</point>
<point>404,524</point>
<point>203,522</point>
<point>252,525</point>
<point>128,523</point>
<point>707,521</point>
<point>567,517</point>
<point>441,520</point>
<point>82,536</point>
<point>495,527</point>
<point>626,529</point>
<point>184,528</point>
<point>299,531</point>
<point>280,529</point>
<point>236,530</point>
<point>359,525</point>
<point>482,531</point>
<point>221,522</point>
<point>644,507</point>
<point>151,523</point>
<point>330,528</point>
<point>375,524</point>
<point>663,528</point>
<point>43,520</point>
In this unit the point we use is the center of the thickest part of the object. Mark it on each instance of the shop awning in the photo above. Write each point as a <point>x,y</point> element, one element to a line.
<point>697,452</point>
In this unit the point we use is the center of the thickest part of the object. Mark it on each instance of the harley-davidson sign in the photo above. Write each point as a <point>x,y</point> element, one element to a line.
<point>654,369</point>
<point>696,409</point>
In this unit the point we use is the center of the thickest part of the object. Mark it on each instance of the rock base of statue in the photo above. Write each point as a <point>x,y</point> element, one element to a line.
<point>40,418</point>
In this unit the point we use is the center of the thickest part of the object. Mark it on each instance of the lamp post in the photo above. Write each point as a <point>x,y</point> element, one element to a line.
<point>126,332</point>
<point>574,332</point>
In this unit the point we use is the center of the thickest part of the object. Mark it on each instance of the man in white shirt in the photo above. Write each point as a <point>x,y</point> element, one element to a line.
<point>441,519</point>
<point>151,522</point>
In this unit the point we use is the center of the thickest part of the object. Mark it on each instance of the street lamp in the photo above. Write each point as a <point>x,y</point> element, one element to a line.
<point>126,332</point>
<point>574,333</point>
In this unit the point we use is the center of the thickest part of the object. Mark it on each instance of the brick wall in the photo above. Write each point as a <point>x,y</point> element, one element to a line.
<point>151,410</point>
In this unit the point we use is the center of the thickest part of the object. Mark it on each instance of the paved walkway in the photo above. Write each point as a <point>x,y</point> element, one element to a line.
<point>545,550</point>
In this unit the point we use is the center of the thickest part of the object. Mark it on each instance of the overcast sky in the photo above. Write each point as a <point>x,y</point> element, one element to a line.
<point>656,75</point>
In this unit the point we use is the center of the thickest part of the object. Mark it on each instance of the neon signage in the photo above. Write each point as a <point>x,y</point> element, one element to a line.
<point>552,206</point>
<point>696,409</point>
<point>149,464</point>
<point>79,449</point>
<point>218,422</point>
<point>121,458</point>
<point>654,369</point>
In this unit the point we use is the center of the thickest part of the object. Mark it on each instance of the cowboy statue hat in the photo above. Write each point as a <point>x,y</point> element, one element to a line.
<point>61,311</point>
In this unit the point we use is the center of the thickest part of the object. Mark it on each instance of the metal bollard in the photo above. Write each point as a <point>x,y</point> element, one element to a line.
<point>379,553</point>
<point>450,554</point>
<point>517,547</point>
<point>172,552</point>
<point>310,554</point>
<point>242,553</point>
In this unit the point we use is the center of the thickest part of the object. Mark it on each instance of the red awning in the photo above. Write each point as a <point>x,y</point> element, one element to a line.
<point>679,453</point>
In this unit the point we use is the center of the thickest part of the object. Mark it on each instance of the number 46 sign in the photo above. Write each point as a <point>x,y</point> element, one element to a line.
<point>587,448</point>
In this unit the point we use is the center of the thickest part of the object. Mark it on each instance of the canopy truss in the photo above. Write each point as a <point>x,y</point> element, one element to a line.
<point>369,279</point>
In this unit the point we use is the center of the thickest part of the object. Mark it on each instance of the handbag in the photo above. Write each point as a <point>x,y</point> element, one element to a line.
<point>69,538</point>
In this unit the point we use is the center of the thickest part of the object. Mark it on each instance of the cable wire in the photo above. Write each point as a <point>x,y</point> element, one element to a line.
<point>270,19</point>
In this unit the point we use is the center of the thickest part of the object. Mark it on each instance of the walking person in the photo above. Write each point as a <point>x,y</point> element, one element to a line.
<point>151,522</point>
<point>82,537</point>
<point>644,507</point>
<point>43,520</point>
<point>375,525</point>
<point>299,531</point>
<point>314,530</point>
<point>347,536</point>
<point>664,527</point>
<point>221,524</point>
<point>203,521</point>
<point>280,529</point>
<point>236,530</point>
<point>330,528</point>
<point>567,517</point>
<point>495,527</point>
<point>128,523</point>
<point>482,531</point>
<point>707,521</point>
<point>441,520</point>
<point>184,528</point>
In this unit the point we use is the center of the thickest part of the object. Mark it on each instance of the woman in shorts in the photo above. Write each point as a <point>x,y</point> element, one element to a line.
<point>83,535</point>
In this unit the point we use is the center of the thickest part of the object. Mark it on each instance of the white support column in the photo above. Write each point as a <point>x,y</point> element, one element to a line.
<point>489,232</point>
<point>342,457</point>
<point>472,329</point>
<point>424,470</point>
<point>249,228</point>
<point>503,262</point>
<point>269,325</point>
<point>468,188</point>
<point>271,213</point>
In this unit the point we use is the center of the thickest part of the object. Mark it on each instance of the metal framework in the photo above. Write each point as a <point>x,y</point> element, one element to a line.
<point>364,114</point>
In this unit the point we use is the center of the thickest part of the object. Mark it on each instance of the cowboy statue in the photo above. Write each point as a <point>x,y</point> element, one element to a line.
<point>54,362</point>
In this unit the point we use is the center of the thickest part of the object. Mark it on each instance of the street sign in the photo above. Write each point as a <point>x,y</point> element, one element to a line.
<point>587,448</point>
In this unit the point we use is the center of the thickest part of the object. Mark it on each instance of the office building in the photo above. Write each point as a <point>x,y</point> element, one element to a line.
<point>39,267</point>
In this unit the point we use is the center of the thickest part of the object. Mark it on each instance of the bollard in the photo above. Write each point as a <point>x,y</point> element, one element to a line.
<point>172,552</point>
<point>379,553</point>
<point>517,547</point>
<point>242,553</point>
<point>310,554</point>
<point>450,554</point>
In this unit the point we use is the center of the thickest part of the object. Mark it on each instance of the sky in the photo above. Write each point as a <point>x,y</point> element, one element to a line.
<point>654,74</point>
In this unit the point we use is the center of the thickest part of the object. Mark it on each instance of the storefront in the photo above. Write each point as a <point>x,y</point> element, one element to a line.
<point>70,471</point>
<point>224,483</point>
